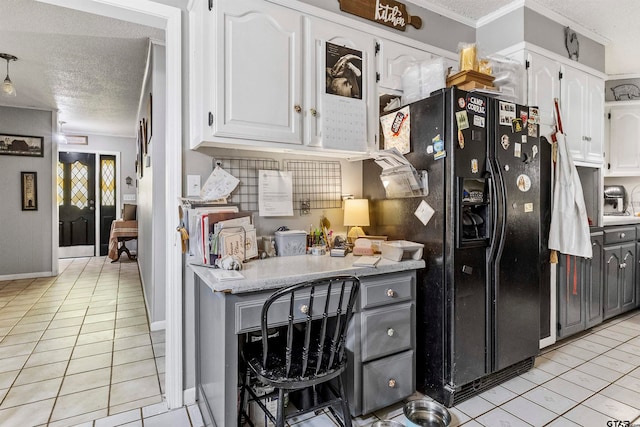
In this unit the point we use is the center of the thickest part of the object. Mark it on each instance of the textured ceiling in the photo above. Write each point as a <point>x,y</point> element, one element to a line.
<point>90,68</point>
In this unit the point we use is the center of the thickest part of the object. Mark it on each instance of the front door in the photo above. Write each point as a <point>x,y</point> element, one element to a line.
<point>76,204</point>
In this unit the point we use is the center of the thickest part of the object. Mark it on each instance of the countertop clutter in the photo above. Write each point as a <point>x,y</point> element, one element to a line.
<point>273,273</point>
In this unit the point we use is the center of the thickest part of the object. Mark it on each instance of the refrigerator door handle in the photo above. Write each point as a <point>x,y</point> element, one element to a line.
<point>500,219</point>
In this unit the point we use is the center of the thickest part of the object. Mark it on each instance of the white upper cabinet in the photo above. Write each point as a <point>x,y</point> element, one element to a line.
<point>257,81</point>
<point>583,114</point>
<point>544,87</point>
<point>581,100</point>
<point>393,58</point>
<point>340,94</point>
<point>624,132</point>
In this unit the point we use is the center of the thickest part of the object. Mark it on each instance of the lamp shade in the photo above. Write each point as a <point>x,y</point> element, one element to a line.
<point>356,212</point>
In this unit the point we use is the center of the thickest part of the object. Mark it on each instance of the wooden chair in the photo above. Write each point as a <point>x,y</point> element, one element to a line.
<point>301,351</point>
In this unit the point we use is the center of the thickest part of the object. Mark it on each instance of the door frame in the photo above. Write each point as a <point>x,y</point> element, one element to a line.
<point>96,212</point>
<point>167,18</point>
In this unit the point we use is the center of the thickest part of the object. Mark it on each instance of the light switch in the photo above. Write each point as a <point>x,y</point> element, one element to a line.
<point>193,185</point>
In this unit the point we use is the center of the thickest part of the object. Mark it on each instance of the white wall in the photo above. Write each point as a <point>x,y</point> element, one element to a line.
<point>151,193</point>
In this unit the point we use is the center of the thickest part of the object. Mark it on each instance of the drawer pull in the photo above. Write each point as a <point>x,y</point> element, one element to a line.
<point>391,293</point>
<point>297,108</point>
<point>304,309</point>
<point>314,112</point>
<point>622,235</point>
<point>390,332</point>
<point>392,383</point>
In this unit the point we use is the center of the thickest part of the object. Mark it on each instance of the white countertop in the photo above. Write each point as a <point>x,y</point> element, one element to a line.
<point>276,272</point>
<point>620,219</point>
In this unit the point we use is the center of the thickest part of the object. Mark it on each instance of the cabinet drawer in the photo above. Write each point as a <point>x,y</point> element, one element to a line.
<point>387,381</point>
<point>386,330</point>
<point>619,234</point>
<point>248,314</point>
<point>386,289</point>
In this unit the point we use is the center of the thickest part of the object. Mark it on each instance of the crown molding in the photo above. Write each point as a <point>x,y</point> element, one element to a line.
<point>426,4</point>
<point>504,10</point>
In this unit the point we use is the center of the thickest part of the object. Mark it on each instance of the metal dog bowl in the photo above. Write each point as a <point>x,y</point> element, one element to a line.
<point>387,423</point>
<point>426,413</point>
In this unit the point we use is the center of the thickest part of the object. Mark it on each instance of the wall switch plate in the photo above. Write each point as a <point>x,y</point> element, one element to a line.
<point>193,185</point>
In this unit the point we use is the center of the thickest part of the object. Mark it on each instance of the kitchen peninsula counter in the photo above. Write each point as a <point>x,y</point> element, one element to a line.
<point>227,310</point>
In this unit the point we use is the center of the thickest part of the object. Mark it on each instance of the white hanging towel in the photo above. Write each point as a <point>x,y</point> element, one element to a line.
<point>569,232</point>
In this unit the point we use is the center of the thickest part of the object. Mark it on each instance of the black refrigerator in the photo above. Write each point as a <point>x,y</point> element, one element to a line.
<point>479,297</point>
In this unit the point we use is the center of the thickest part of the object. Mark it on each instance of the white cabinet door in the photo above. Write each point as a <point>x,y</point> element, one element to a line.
<point>393,58</point>
<point>258,78</point>
<point>583,114</point>
<point>594,122</point>
<point>340,91</point>
<point>624,151</point>
<point>544,86</point>
<point>573,107</point>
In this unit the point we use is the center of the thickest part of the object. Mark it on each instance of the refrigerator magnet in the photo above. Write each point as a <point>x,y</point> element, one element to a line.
<point>534,115</point>
<point>474,165</point>
<point>523,182</point>
<point>516,125</point>
<point>517,149</point>
<point>460,139</point>
<point>528,207</point>
<point>462,120</point>
<point>476,105</point>
<point>524,115</point>
<point>424,212</point>
<point>461,102</point>
<point>534,151</point>
<point>504,141</point>
<point>532,130</point>
<point>478,121</point>
<point>507,112</point>
<point>523,139</point>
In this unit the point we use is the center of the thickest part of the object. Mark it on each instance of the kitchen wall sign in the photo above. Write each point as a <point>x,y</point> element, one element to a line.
<point>386,12</point>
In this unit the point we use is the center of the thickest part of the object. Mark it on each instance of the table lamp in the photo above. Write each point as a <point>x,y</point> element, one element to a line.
<point>356,215</point>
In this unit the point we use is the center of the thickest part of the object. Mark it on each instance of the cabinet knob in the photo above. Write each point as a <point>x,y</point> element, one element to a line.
<point>392,383</point>
<point>390,332</point>
<point>314,112</point>
<point>622,235</point>
<point>391,293</point>
<point>297,108</point>
<point>623,265</point>
<point>304,309</point>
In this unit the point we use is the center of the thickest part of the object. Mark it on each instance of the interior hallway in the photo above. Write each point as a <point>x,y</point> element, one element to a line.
<point>77,347</point>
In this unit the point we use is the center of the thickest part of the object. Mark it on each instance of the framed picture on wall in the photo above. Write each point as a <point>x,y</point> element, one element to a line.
<point>29,184</point>
<point>22,145</point>
<point>77,139</point>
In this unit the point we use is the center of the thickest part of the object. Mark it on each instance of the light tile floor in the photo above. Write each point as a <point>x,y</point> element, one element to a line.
<point>77,348</point>
<point>588,380</point>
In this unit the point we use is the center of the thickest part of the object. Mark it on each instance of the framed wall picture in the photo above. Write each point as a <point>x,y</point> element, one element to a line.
<point>22,145</point>
<point>29,184</point>
<point>77,139</point>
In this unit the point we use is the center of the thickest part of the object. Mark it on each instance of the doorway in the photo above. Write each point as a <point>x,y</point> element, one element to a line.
<point>76,204</point>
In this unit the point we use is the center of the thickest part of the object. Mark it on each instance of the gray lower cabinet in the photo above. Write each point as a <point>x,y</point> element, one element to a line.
<point>619,264</point>
<point>580,290</point>
<point>381,343</point>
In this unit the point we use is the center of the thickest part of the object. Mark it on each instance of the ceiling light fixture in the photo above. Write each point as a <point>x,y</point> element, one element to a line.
<point>8,89</point>
<point>62,139</point>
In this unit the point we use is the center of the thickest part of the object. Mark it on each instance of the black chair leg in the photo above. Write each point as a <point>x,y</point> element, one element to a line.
<point>346,412</point>
<point>280,416</point>
<point>243,399</point>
